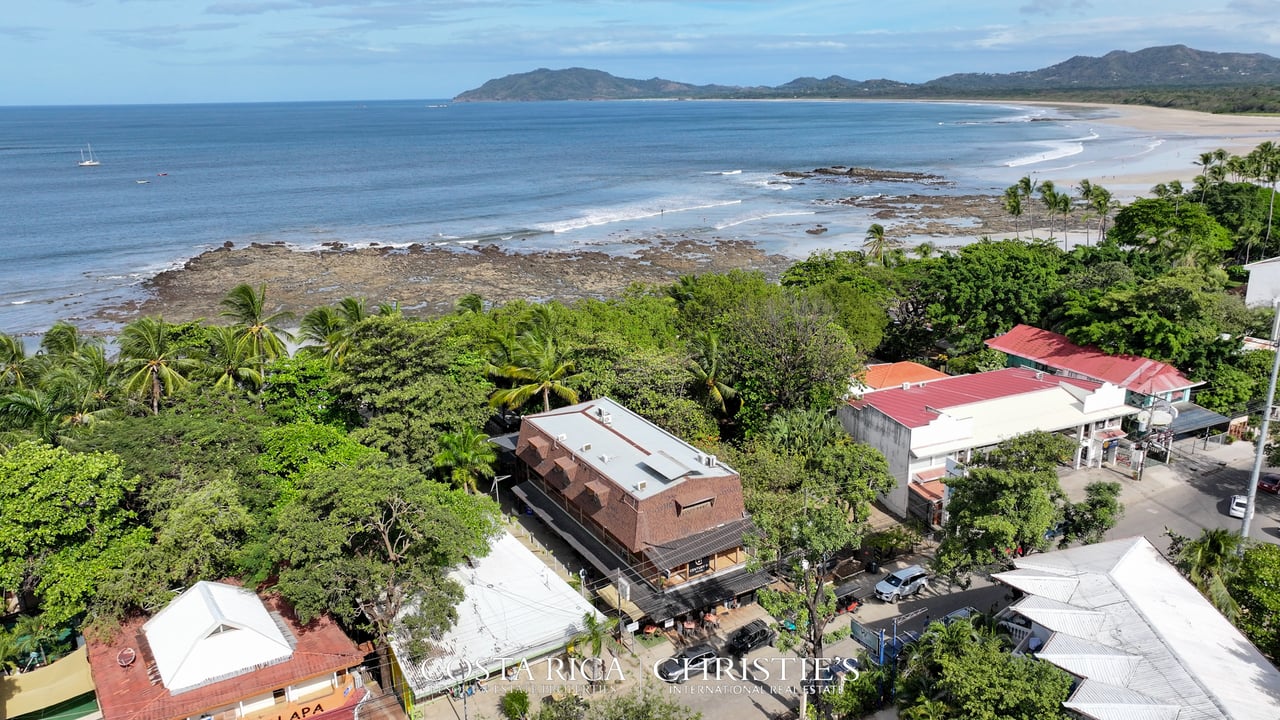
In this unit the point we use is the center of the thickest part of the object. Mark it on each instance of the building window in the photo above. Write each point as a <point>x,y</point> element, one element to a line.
<point>278,695</point>
<point>703,503</point>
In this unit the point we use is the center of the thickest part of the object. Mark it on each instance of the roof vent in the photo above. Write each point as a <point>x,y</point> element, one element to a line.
<point>586,447</point>
<point>561,437</point>
<point>607,418</point>
<point>642,485</point>
<point>599,412</point>
<point>906,386</point>
<point>1039,374</point>
<point>709,460</point>
<point>605,458</point>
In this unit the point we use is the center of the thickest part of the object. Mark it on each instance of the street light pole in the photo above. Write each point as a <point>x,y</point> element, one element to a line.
<point>1260,453</point>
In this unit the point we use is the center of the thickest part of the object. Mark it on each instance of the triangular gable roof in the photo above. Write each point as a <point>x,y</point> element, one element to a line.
<point>1102,701</point>
<point>1131,372</point>
<point>213,632</point>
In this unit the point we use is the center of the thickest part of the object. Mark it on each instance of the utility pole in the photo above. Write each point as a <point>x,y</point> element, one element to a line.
<point>1261,450</point>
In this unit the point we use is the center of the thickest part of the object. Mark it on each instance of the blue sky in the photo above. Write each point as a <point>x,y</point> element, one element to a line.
<point>60,52</point>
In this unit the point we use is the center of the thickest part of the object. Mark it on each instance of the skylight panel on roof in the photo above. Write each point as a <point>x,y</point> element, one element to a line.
<point>666,466</point>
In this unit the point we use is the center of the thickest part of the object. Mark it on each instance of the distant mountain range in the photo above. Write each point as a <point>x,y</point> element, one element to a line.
<point>1172,66</point>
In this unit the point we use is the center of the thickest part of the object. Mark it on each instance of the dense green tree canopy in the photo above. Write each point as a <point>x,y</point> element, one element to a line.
<point>988,287</point>
<point>64,525</point>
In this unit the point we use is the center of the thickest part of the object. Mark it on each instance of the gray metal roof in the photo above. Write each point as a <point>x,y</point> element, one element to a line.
<point>1191,658</point>
<point>639,456</point>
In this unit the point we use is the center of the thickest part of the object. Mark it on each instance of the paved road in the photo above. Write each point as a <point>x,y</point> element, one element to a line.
<point>1186,497</point>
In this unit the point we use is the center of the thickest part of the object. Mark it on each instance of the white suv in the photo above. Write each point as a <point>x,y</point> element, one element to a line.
<point>901,583</point>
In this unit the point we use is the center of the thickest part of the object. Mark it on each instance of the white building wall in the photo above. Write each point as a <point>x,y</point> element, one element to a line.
<point>893,440</point>
<point>1264,283</point>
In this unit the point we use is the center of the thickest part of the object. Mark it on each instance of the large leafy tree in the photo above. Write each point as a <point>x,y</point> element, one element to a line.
<point>785,352</point>
<point>1006,503</point>
<point>373,545</point>
<point>988,287</point>
<point>1090,519</point>
<point>1256,590</point>
<point>410,382</point>
<point>64,525</point>
<point>802,527</point>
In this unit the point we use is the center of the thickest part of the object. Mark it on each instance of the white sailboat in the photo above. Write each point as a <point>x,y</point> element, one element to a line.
<point>91,161</point>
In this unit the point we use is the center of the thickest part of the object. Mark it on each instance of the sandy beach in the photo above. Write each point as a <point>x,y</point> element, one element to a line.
<point>1184,134</point>
<point>427,280</point>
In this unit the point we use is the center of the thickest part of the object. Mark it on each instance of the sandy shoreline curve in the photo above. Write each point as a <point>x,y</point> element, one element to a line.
<point>429,280</point>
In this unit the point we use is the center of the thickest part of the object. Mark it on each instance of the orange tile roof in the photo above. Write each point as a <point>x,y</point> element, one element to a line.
<point>932,490</point>
<point>888,375</point>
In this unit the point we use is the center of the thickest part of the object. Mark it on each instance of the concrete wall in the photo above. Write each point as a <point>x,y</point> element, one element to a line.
<point>885,434</point>
<point>1264,284</point>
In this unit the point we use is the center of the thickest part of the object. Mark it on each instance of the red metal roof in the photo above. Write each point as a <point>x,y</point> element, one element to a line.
<point>887,375</point>
<point>127,693</point>
<point>1131,372</point>
<point>916,406</point>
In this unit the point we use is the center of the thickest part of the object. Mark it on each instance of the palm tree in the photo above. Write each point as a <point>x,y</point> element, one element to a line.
<point>1026,188</point>
<point>467,455</point>
<point>538,366</point>
<point>260,331</point>
<point>330,329</point>
<point>876,243</point>
<point>927,709</point>
<point>1268,163</point>
<point>1013,206</point>
<point>469,303</point>
<point>35,636</point>
<point>1049,198</point>
<point>151,365</point>
<point>1209,561</point>
<point>229,363</point>
<point>595,632</point>
<point>33,410</point>
<point>926,250</point>
<point>16,369</point>
<point>1205,162</point>
<point>705,369</point>
<point>1100,199</point>
<point>1064,207</point>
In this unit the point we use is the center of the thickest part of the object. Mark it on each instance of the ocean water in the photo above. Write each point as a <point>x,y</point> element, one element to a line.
<point>524,176</point>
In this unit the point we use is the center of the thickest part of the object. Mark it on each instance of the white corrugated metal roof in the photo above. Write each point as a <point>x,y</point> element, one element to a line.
<point>1034,582</point>
<point>514,607</point>
<point>212,632</point>
<point>1102,701</point>
<point>1086,658</point>
<point>1193,659</point>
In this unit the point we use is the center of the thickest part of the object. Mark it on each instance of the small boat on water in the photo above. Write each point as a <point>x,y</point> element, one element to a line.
<point>143,182</point>
<point>91,161</point>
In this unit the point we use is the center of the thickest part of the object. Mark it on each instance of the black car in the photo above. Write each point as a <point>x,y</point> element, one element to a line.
<point>755,634</point>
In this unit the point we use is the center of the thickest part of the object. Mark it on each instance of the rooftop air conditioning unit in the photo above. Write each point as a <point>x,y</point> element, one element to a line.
<point>906,386</point>
<point>605,459</point>
<point>642,485</point>
<point>586,447</point>
<point>607,418</point>
<point>710,461</point>
<point>561,437</point>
